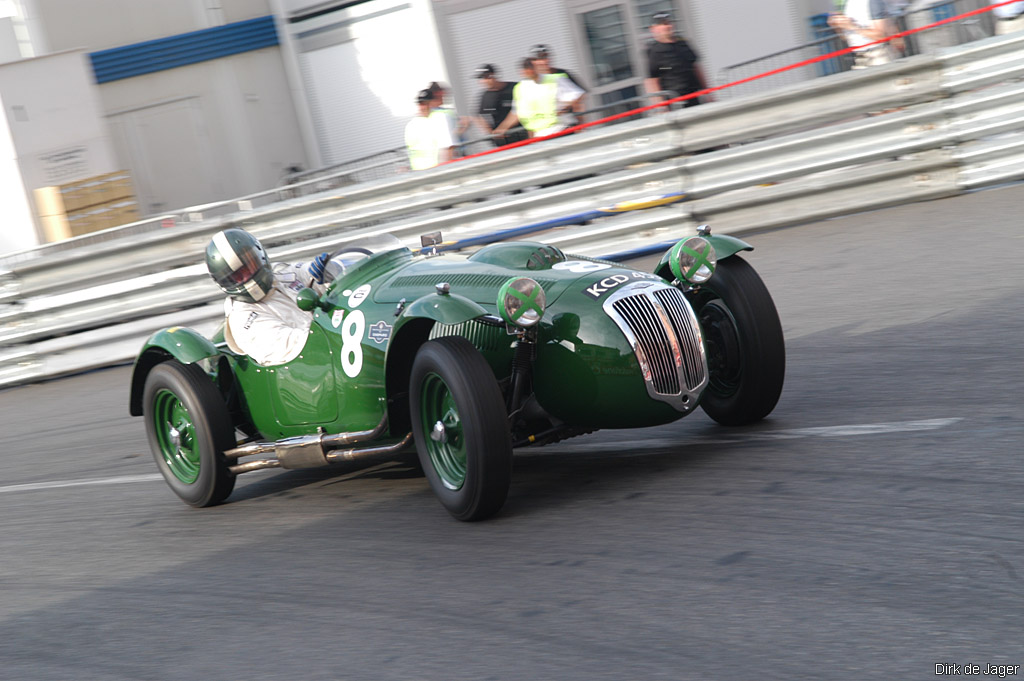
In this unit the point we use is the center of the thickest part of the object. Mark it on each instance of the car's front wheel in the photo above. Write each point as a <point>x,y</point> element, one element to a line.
<point>744,341</point>
<point>189,428</point>
<point>461,428</point>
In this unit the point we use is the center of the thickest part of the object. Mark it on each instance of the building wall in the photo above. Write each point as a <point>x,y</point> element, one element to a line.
<point>57,131</point>
<point>361,67</point>
<point>99,24</point>
<point>194,134</point>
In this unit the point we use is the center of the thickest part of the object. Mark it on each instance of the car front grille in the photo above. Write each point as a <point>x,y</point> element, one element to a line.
<point>666,338</point>
<point>684,323</point>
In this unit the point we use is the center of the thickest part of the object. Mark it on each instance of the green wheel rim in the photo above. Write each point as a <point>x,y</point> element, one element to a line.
<point>446,446</point>
<point>176,436</point>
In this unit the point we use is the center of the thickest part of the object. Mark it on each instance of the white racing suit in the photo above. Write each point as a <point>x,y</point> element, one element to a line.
<point>273,330</point>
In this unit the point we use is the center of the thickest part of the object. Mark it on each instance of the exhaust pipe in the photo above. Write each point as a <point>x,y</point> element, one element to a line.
<point>312,451</point>
<point>354,454</point>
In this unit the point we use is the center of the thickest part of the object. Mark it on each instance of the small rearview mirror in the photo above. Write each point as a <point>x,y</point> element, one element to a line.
<point>308,300</point>
<point>428,240</point>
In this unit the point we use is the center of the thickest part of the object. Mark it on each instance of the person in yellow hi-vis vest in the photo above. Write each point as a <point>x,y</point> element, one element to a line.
<point>427,138</point>
<point>537,103</point>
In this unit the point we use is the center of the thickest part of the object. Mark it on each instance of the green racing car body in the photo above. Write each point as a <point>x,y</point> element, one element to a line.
<point>452,361</point>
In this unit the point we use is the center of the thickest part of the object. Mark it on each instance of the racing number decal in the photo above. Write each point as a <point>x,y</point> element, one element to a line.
<point>580,266</point>
<point>352,329</point>
<point>351,343</point>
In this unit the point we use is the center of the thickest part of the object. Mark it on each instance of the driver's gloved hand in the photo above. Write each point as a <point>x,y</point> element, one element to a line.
<point>316,268</point>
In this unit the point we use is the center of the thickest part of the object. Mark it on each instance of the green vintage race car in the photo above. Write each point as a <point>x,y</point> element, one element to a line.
<point>452,361</point>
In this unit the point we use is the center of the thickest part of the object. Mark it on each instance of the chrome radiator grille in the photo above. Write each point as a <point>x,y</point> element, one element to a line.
<point>665,335</point>
<point>687,335</point>
<point>653,337</point>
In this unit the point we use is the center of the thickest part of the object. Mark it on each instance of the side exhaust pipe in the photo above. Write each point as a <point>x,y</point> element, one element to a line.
<point>313,451</point>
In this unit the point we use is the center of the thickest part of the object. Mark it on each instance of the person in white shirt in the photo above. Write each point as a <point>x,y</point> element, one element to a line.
<point>262,319</point>
<point>862,22</point>
<point>428,136</point>
<point>1009,18</point>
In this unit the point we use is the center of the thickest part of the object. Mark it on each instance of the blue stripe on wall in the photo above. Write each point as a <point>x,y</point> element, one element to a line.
<point>186,48</point>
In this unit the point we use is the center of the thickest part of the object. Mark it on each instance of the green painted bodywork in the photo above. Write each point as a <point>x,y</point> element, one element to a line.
<point>724,245</point>
<point>177,342</point>
<point>586,372</point>
<point>181,343</point>
<point>446,309</point>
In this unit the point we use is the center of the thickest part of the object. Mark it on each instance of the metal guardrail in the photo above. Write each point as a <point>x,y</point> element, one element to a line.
<point>799,154</point>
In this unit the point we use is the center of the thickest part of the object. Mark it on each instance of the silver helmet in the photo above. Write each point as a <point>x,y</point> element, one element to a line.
<point>239,264</point>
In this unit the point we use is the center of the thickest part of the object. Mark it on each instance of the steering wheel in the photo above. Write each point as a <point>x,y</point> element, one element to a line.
<point>329,276</point>
<point>349,249</point>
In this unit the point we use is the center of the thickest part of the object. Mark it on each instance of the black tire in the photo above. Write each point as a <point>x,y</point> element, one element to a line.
<point>746,349</point>
<point>175,392</point>
<point>471,470</point>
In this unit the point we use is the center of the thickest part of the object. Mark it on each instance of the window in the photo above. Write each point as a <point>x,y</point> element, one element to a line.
<point>606,34</point>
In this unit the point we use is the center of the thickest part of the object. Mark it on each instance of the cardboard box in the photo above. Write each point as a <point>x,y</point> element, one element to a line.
<point>95,191</point>
<point>80,223</point>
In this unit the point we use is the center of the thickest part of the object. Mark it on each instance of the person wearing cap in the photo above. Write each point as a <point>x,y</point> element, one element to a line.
<point>428,138</point>
<point>541,55</point>
<point>495,105</point>
<point>536,102</point>
<point>440,109</point>
<point>672,65</point>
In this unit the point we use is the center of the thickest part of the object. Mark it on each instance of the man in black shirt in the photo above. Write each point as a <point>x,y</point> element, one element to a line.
<point>671,62</point>
<point>495,103</point>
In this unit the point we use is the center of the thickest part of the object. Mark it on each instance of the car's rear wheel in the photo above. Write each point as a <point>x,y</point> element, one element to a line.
<point>461,428</point>
<point>745,345</point>
<point>189,428</point>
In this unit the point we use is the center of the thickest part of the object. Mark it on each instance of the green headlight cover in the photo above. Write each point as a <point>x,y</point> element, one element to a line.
<point>521,301</point>
<point>693,260</point>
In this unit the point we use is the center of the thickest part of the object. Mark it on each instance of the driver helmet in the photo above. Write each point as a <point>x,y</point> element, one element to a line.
<point>240,266</point>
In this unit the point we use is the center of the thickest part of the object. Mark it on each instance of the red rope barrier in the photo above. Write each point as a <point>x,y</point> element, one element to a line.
<point>692,95</point>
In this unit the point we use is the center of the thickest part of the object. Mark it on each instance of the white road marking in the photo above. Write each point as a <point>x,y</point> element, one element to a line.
<point>864,429</point>
<point>81,483</point>
<point>851,430</point>
<point>151,477</point>
<point>732,437</point>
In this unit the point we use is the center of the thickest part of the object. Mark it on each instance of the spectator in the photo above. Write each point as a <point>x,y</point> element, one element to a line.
<point>1009,18</point>
<point>427,137</point>
<point>495,105</point>
<point>536,103</point>
<point>862,22</point>
<point>672,64</point>
<point>440,109</point>
<point>541,55</point>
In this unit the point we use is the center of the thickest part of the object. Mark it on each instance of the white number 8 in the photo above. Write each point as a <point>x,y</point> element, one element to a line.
<point>351,343</point>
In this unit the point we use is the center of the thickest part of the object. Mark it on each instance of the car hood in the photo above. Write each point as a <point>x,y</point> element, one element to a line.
<point>480,281</point>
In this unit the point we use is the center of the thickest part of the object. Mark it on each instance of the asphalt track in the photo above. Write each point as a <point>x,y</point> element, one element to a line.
<point>870,528</point>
